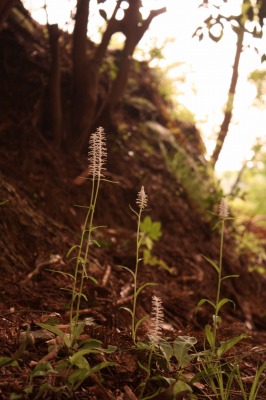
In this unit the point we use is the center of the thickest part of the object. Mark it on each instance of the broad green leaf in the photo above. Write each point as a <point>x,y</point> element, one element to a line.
<point>166,350</point>
<point>80,361</point>
<point>90,344</point>
<point>77,329</point>
<point>78,376</point>
<point>74,360</point>
<point>57,331</point>
<point>181,347</point>
<point>229,344</point>
<point>181,387</point>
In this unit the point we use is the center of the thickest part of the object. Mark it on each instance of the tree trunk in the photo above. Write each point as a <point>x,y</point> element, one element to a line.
<point>54,87</point>
<point>134,31</point>
<point>83,78</point>
<point>230,100</point>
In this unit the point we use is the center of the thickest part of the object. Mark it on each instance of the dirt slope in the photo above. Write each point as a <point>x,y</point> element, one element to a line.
<point>40,222</point>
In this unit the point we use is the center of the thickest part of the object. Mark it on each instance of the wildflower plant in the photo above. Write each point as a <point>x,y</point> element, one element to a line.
<point>155,334</point>
<point>142,202</point>
<point>97,156</point>
<point>160,348</point>
<point>211,332</point>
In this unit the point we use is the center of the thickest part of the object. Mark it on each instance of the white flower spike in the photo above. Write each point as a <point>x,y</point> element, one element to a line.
<point>97,154</point>
<point>142,199</point>
<point>223,209</point>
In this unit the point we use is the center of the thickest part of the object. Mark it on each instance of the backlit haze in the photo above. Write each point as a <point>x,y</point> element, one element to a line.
<point>207,70</point>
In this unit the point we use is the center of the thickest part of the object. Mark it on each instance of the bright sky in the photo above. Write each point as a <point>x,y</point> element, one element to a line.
<point>209,72</point>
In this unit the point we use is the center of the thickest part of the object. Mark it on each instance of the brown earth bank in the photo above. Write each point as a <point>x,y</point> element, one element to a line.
<point>45,197</point>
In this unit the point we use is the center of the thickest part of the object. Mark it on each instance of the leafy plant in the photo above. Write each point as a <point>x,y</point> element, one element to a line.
<point>211,333</point>
<point>151,232</point>
<point>97,158</point>
<point>160,348</point>
<point>258,380</point>
<point>75,368</point>
<point>141,201</point>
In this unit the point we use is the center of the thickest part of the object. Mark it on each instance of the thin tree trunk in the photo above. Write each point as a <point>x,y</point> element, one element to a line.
<point>55,85</point>
<point>134,32</point>
<point>230,100</point>
<point>83,94</point>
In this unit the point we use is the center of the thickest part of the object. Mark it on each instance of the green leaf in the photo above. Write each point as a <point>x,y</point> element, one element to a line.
<point>90,372</point>
<point>91,344</point>
<point>256,384</point>
<point>61,273</point>
<point>229,276</point>
<point>79,360</point>
<point>202,301</point>
<point>222,303</point>
<point>181,347</point>
<point>140,321</point>
<point>57,331</point>
<point>166,350</point>
<point>77,329</point>
<point>42,369</point>
<point>145,285</point>
<point>210,336</point>
<point>127,309</point>
<point>94,280</point>
<point>8,361</point>
<point>181,387</point>
<point>151,229</point>
<point>143,367</point>
<point>127,269</point>
<point>229,344</point>
<point>72,249</point>
<point>213,264</point>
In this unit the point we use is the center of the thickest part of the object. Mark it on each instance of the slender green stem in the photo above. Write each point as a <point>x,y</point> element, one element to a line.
<point>135,279</point>
<point>219,281</point>
<point>88,224</point>
<point>148,373</point>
